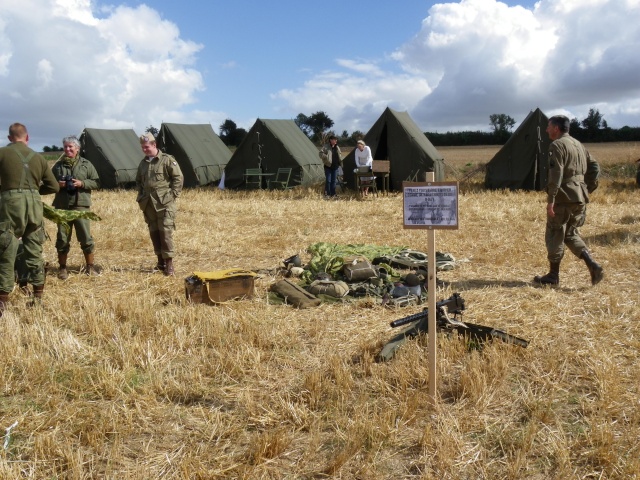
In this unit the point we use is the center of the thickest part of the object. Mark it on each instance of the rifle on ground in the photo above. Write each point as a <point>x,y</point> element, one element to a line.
<point>453,305</point>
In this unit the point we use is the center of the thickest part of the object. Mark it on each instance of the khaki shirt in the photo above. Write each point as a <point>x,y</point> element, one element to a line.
<point>572,172</point>
<point>159,181</point>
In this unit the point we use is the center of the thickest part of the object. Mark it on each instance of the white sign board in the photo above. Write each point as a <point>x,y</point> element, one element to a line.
<point>430,205</point>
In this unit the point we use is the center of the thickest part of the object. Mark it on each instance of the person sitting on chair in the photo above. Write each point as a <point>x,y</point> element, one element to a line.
<point>364,159</point>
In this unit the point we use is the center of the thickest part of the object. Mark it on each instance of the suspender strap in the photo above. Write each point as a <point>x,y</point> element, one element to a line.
<point>25,170</point>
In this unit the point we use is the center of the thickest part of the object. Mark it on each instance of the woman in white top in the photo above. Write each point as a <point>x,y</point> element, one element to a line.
<point>364,159</point>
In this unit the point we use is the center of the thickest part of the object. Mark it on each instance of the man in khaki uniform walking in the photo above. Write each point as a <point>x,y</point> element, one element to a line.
<point>159,182</point>
<point>573,174</point>
<point>24,176</point>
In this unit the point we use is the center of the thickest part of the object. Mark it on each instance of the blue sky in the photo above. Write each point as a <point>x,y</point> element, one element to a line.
<point>131,64</point>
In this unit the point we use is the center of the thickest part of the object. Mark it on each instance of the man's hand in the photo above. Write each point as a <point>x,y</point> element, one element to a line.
<point>550,211</point>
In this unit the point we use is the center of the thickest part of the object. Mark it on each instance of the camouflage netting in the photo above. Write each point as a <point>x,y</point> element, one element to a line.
<point>330,258</point>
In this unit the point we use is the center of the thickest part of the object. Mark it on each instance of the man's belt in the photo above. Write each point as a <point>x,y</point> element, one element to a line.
<point>575,178</point>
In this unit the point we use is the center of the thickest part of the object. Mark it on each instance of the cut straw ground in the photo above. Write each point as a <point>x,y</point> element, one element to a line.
<point>117,376</point>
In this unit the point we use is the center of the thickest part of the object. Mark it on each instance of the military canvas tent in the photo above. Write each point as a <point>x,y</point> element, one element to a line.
<point>397,138</point>
<point>115,154</point>
<point>273,144</point>
<point>201,154</point>
<point>522,163</point>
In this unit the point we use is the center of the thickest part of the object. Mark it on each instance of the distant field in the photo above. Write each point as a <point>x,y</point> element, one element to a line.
<point>616,159</point>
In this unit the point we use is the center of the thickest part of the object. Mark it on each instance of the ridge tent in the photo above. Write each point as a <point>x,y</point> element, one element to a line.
<point>273,144</point>
<point>523,162</point>
<point>201,154</point>
<point>397,138</point>
<point>115,154</point>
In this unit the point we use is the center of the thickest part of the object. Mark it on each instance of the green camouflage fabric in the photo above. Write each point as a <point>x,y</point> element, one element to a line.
<point>329,257</point>
<point>63,217</point>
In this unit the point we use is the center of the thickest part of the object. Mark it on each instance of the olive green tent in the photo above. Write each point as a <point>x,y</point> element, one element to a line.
<point>273,144</point>
<point>522,163</point>
<point>397,138</point>
<point>115,154</point>
<point>201,154</point>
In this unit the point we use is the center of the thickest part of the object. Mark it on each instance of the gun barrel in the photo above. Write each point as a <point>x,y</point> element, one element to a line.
<point>411,318</point>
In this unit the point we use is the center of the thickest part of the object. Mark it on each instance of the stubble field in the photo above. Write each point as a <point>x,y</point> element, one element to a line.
<point>118,377</point>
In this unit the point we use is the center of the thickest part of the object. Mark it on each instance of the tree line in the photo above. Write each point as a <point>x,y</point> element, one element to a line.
<point>317,126</point>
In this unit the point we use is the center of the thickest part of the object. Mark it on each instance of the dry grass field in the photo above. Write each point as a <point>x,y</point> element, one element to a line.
<point>118,377</point>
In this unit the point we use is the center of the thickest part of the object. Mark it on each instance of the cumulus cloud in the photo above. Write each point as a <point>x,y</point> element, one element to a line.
<point>477,57</point>
<point>83,68</point>
<point>81,65</point>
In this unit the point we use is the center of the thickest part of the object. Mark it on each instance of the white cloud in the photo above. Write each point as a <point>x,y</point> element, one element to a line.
<point>477,57</point>
<point>76,69</point>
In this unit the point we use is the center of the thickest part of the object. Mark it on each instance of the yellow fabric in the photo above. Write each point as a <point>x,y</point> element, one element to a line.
<point>222,274</point>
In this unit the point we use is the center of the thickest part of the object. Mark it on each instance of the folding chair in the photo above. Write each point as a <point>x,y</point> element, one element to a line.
<point>365,179</point>
<point>283,176</point>
<point>253,177</point>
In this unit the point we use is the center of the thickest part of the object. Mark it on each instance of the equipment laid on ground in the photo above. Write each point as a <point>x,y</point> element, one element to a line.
<point>452,305</point>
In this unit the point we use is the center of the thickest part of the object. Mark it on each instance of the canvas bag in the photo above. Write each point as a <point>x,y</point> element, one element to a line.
<point>358,271</point>
<point>294,294</point>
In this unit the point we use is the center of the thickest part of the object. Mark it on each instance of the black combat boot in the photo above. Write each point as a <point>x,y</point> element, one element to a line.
<point>597,274</point>
<point>551,278</point>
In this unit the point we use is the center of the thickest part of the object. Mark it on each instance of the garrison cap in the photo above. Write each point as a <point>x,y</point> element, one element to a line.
<point>147,137</point>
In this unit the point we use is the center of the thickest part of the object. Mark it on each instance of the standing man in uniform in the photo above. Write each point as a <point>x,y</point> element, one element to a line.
<point>573,174</point>
<point>77,177</point>
<point>331,157</point>
<point>24,176</point>
<point>159,182</point>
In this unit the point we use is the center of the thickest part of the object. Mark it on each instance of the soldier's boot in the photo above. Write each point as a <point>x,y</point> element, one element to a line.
<point>595,269</point>
<point>23,285</point>
<point>169,270</point>
<point>63,274</point>
<point>551,278</point>
<point>4,301</point>
<point>161,265</point>
<point>38,291</point>
<point>156,239</point>
<point>89,268</point>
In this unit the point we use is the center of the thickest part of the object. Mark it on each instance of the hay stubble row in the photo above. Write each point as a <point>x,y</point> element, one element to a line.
<point>118,377</point>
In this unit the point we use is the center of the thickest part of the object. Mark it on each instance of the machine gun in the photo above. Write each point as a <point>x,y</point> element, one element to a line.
<point>444,322</point>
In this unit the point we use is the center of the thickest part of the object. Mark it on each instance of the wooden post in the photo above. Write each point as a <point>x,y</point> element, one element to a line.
<point>431,303</point>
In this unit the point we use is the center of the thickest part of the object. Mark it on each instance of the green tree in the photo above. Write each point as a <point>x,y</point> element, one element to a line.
<point>303,123</point>
<point>593,123</point>
<point>355,136</point>
<point>501,123</point>
<point>315,125</point>
<point>152,130</point>
<point>230,134</point>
